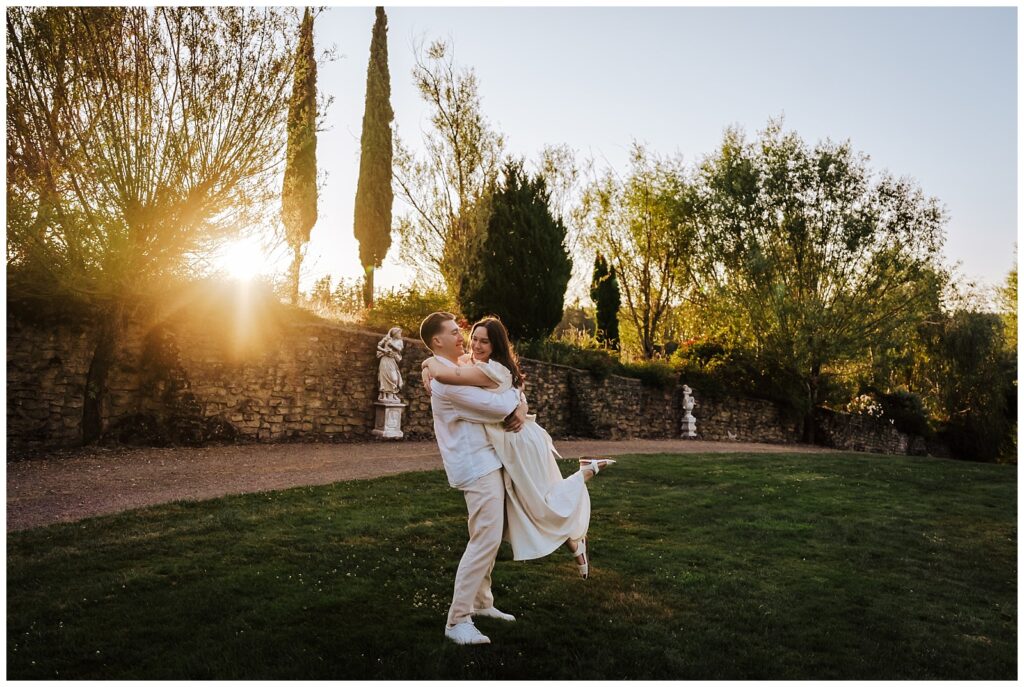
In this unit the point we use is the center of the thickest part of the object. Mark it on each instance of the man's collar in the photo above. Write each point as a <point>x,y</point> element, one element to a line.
<point>445,361</point>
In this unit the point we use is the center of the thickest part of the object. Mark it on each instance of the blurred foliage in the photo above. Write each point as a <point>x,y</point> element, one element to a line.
<point>574,349</point>
<point>1006,298</point>
<point>975,382</point>
<point>907,411</point>
<point>402,307</point>
<point>405,308</point>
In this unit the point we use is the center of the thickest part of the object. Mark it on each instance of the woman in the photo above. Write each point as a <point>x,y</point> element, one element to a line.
<point>543,511</point>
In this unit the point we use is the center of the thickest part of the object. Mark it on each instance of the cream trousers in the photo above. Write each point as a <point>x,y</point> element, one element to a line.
<point>485,501</point>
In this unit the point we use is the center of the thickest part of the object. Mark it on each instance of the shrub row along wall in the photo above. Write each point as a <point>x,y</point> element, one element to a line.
<point>183,381</point>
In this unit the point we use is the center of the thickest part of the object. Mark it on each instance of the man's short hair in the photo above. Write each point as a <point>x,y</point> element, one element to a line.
<point>432,325</point>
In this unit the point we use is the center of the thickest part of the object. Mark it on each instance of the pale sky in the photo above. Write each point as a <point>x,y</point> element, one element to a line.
<point>927,92</point>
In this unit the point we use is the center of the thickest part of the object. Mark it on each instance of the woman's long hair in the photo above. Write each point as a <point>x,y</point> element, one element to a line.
<point>501,348</point>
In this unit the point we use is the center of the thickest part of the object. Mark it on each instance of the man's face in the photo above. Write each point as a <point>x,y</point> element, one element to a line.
<point>449,341</point>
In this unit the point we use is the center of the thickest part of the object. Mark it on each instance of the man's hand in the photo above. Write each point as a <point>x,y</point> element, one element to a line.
<point>426,376</point>
<point>517,418</point>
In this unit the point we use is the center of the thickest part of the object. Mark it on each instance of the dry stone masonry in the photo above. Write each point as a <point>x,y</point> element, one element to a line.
<point>187,381</point>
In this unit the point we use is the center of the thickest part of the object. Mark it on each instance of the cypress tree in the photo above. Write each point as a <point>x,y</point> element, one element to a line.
<point>299,195</point>
<point>518,268</point>
<point>604,291</point>
<point>374,196</point>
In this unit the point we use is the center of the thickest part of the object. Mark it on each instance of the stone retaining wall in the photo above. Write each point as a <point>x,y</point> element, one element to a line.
<point>744,419</point>
<point>183,380</point>
<point>862,433</point>
<point>46,374</point>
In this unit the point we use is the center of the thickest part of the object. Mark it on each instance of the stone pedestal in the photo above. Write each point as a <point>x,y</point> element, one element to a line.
<point>388,424</point>
<point>689,426</point>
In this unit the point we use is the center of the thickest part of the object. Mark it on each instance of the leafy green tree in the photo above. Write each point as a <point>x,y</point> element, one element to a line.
<point>299,193</point>
<point>374,194</point>
<point>644,224</point>
<point>898,357</point>
<point>975,379</point>
<point>806,256</point>
<point>404,308</point>
<point>519,267</point>
<point>446,191</point>
<point>604,291</point>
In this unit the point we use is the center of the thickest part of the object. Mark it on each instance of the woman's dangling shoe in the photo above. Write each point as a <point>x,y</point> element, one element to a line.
<point>595,464</point>
<point>581,550</point>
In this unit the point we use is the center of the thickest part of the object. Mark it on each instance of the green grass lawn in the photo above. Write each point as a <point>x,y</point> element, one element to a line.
<point>827,566</point>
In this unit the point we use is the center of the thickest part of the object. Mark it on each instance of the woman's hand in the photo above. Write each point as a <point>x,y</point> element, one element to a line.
<point>430,370</point>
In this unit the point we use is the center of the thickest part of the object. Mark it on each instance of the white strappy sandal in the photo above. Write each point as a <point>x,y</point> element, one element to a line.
<point>593,463</point>
<point>581,550</point>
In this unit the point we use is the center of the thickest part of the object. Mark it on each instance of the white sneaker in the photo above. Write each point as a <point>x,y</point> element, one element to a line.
<point>493,612</point>
<point>466,633</point>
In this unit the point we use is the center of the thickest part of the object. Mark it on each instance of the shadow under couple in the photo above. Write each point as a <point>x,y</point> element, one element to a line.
<point>502,461</point>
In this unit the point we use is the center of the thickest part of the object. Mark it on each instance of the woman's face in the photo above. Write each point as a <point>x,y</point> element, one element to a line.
<point>480,344</point>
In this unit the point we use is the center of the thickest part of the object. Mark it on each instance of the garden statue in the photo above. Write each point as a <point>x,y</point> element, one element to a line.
<point>388,424</point>
<point>689,422</point>
<point>389,377</point>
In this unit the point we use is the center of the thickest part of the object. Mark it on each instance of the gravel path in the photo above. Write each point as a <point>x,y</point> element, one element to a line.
<point>79,484</point>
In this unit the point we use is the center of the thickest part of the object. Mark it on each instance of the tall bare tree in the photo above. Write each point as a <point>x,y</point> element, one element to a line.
<point>137,138</point>
<point>446,189</point>
<point>566,175</point>
<point>644,225</point>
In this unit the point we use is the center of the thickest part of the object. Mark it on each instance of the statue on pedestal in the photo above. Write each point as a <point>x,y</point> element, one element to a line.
<point>389,377</point>
<point>388,424</point>
<point>689,422</point>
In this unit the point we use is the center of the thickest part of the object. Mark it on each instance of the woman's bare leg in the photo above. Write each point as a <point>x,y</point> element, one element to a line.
<point>580,560</point>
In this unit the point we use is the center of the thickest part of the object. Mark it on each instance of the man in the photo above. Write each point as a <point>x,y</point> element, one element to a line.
<point>473,467</point>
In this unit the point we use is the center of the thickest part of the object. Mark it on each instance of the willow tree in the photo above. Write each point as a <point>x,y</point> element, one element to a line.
<point>445,190</point>
<point>138,140</point>
<point>374,195</point>
<point>808,256</point>
<point>299,193</point>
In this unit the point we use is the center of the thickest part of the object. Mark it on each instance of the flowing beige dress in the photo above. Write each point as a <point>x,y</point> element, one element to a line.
<point>542,509</point>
